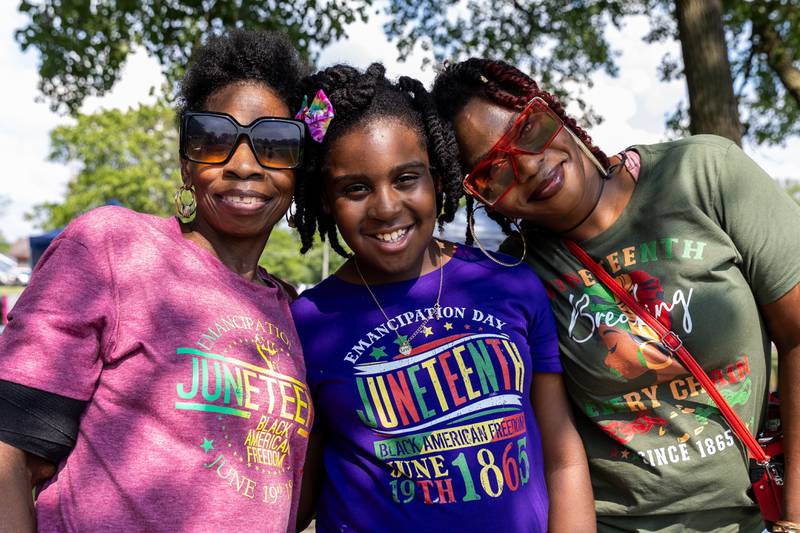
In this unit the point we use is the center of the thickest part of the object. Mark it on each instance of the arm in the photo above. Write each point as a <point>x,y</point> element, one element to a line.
<point>783,322</point>
<point>566,468</point>
<point>312,477</point>
<point>19,472</point>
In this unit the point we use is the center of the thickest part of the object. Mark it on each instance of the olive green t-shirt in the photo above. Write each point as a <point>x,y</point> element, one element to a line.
<point>706,238</point>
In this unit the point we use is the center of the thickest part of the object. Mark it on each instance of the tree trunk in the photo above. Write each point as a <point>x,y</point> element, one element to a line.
<point>712,104</point>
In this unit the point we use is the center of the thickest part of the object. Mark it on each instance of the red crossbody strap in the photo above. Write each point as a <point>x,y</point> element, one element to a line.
<point>674,344</point>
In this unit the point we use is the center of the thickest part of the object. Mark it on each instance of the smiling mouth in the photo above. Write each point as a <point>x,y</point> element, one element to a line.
<point>550,185</point>
<point>392,236</point>
<point>244,201</point>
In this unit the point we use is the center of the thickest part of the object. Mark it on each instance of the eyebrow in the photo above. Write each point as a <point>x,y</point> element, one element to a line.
<point>395,170</point>
<point>508,126</point>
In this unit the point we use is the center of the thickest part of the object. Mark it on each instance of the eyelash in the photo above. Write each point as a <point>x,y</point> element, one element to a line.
<point>403,181</point>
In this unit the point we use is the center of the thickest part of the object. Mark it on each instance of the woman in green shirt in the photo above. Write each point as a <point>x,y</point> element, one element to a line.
<point>702,237</point>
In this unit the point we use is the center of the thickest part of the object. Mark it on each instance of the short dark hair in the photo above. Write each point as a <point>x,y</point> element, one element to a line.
<point>505,85</point>
<point>242,56</point>
<point>357,98</point>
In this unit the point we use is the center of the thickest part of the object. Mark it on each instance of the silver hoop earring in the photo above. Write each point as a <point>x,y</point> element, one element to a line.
<point>185,200</point>
<point>471,224</point>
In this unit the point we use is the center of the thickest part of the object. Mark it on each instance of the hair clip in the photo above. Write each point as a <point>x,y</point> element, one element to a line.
<point>484,79</point>
<point>317,116</point>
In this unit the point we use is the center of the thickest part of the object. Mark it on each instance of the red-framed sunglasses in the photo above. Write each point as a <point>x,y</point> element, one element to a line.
<point>497,172</point>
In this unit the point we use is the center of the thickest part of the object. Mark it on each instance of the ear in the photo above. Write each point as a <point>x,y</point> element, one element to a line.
<point>185,173</point>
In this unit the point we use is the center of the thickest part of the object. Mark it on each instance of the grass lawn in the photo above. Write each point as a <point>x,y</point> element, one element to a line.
<point>4,290</point>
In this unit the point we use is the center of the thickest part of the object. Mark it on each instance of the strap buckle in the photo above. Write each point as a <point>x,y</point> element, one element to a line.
<point>671,341</point>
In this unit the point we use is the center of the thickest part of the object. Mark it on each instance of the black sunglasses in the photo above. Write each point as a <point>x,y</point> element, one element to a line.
<point>212,138</point>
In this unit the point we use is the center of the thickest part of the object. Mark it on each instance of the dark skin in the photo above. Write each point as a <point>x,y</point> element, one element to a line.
<point>481,123</point>
<point>478,127</point>
<point>238,203</point>
<point>378,182</point>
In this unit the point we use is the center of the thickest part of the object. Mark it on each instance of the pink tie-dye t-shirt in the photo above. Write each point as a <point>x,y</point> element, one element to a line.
<point>198,412</point>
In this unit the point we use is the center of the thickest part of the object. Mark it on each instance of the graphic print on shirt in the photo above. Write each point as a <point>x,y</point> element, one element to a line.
<point>663,418</point>
<point>448,418</point>
<point>241,372</point>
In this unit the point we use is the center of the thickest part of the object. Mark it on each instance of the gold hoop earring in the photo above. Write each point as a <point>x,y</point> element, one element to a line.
<point>471,224</point>
<point>289,215</point>
<point>185,201</point>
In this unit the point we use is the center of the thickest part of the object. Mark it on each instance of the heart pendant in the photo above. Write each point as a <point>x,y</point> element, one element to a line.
<point>405,348</point>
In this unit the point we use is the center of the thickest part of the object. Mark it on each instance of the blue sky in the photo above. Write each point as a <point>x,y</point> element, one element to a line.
<point>633,105</point>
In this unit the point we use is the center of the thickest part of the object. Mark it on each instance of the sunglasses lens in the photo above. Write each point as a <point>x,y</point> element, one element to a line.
<point>492,177</point>
<point>208,139</point>
<point>278,144</point>
<point>534,131</point>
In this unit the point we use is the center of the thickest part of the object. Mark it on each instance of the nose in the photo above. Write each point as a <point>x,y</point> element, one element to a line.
<point>243,163</point>
<point>386,203</point>
<point>527,166</point>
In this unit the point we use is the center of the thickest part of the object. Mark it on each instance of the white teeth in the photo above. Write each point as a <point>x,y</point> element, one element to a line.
<point>391,237</point>
<point>245,200</point>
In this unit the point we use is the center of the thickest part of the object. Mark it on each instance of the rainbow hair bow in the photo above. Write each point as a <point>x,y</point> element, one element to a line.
<point>317,116</point>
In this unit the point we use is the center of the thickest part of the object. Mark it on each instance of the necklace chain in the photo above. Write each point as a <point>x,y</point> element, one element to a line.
<point>405,344</point>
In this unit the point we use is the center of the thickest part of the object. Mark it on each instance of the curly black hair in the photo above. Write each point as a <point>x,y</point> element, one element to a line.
<point>357,98</point>
<point>503,84</point>
<point>242,56</point>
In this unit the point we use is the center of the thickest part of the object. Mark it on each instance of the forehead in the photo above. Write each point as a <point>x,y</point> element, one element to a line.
<point>247,101</point>
<point>375,148</point>
<point>478,127</point>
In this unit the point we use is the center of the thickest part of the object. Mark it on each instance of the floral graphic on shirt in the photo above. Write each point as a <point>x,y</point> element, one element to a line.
<point>242,372</point>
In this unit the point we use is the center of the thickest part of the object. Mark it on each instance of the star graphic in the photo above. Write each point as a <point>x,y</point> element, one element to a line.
<point>625,454</point>
<point>378,353</point>
<point>207,445</point>
<point>448,326</point>
<point>401,339</point>
<point>428,331</point>
<point>467,326</point>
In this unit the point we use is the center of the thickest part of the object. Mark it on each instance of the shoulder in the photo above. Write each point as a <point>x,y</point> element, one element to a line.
<point>312,302</point>
<point>504,278</point>
<point>693,148</point>
<point>106,222</point>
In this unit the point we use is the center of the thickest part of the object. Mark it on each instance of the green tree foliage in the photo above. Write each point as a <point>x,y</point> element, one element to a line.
<point>282,258</point>
<point>564,43</point>
<point>83,45</point>
<point>557,42</point>
<point>124,156</point>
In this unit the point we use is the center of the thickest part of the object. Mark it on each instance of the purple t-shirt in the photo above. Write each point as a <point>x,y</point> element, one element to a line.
<point>198,413</point>
<point>443,438</point>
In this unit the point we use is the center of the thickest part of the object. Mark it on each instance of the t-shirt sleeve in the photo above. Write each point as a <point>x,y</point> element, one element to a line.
<point>38,422</point>
<point>542,335</point>
<point>62,323</point>
<point>763,222</point>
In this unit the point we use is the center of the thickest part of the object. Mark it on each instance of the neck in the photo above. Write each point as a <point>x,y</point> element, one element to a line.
<point>238,254</point>
<point>434,256</point>
<point>611,196</point>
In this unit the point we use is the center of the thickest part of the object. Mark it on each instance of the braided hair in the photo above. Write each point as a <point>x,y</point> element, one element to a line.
<point>505,85</point>
<point>357,98</point>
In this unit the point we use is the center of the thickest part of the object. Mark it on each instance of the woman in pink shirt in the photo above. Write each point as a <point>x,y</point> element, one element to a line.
<point>151,378</point>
